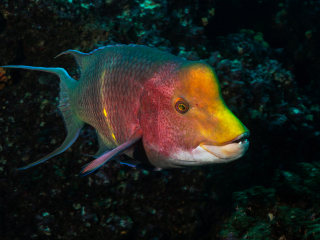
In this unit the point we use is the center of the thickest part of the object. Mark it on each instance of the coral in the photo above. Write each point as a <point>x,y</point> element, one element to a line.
<point>246,45</point>
<point>269,78</point>
<point>4,80</point>
<point>191,55</point>
<point>263,90</point>
<point>148,4</point>
<point>289,210</point>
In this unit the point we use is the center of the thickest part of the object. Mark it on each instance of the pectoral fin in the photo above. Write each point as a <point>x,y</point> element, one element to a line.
<point>94,165</point>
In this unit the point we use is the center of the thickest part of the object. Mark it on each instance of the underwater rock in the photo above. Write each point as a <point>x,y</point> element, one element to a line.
<point>245,45</point>
<point>191,56</point>
<point>181,204</point>
<point>4,80</point>
<point>264,91</point>
<point>284,211</point>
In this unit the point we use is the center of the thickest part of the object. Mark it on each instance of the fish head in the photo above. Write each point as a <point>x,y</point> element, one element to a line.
<point>185,120</point>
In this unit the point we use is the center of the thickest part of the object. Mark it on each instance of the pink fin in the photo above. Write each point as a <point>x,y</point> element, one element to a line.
<point>94,165</point>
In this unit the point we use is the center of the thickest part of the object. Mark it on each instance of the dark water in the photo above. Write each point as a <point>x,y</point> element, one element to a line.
<point>266,55</point>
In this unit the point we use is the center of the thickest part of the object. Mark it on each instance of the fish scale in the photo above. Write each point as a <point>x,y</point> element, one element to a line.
<point>159,109</point>
<point>125,69</point>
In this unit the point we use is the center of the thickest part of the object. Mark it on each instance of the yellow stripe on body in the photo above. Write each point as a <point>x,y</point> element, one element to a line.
<point>109,126</point>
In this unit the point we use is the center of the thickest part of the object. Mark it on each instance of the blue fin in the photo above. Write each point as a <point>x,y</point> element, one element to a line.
<point>80,57</point>
<point>94,165</point>
<point>64,76</point>
<point>72,122</point>
<point>130,163</point>
<point>139,165</point>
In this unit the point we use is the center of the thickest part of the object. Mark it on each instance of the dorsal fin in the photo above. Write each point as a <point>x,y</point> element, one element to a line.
<point>80,57</point>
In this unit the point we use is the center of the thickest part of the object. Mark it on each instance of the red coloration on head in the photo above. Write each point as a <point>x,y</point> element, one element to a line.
<point>167,132</point>
<point>156,114</point>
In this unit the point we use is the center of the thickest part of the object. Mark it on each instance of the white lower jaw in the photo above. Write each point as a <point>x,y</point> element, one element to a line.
<point>228,152</point>
<point>209,154</point>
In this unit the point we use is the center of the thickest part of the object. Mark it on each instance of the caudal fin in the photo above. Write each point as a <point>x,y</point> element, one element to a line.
<point>72,122</point>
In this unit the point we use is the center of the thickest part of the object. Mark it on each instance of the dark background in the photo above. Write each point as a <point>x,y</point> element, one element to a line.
<point>277,176</point>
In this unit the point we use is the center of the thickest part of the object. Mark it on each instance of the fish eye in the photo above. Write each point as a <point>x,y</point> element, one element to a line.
<point>181,106</point>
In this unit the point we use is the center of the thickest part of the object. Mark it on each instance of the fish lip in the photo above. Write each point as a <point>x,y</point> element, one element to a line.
<point>243,136</point>
<point>230,150</point>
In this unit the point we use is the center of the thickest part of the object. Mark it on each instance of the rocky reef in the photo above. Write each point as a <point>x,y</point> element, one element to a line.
<point>267,61</point>
<point>288,210</point>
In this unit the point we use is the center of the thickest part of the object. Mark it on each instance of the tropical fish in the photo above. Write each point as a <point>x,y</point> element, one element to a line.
<point>161,110</point>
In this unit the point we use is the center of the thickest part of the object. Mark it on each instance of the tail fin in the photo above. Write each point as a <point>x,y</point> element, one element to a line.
<point>72,122</point>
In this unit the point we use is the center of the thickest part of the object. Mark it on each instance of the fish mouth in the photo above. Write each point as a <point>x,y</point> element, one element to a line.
<point>242,138</point>
<point>230,150</point>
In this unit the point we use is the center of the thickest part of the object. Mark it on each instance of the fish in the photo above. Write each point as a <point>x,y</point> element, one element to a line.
<point>161,110</point>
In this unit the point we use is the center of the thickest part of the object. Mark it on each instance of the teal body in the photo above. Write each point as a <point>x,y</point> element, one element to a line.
<point>109,89</point>
<point>106,96</point>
